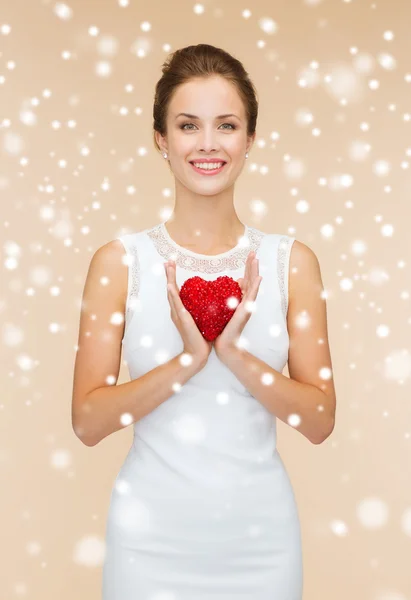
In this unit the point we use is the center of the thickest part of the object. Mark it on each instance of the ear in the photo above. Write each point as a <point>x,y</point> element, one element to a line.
<point>161,141</point>
<point>251,140</point>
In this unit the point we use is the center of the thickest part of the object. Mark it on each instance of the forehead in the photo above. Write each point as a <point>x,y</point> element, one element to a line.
<point>206,97</point>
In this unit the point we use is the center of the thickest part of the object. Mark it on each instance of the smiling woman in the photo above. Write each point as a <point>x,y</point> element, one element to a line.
<point>233,130</point>
<point>202,506</point>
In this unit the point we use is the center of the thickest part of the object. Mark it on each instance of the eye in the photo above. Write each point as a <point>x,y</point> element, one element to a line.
<point>184,124</point>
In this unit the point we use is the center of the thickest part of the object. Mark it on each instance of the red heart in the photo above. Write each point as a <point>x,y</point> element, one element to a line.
<point>207,302</point>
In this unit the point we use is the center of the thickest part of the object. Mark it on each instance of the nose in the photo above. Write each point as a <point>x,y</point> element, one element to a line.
<point>207,141</point>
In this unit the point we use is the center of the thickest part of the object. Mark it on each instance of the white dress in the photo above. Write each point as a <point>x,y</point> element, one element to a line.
<point>202,507</point>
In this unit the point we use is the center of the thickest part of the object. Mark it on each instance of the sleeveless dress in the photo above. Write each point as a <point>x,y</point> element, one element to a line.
<point>202,507</point>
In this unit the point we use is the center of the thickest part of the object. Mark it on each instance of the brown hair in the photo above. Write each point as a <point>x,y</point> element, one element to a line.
<point>202,60</point>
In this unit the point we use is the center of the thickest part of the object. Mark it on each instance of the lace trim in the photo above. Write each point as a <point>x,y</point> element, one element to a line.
<point>133,278</point>
<point>283,254</point>
<point>231,261</point>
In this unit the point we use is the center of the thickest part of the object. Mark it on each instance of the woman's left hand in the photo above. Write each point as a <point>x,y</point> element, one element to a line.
<point>229,337</point>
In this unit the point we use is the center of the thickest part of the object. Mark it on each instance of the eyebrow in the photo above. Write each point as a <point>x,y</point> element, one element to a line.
<point>194,117</point>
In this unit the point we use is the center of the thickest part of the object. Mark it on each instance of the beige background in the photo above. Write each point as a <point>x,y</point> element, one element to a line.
<point>330,166</point>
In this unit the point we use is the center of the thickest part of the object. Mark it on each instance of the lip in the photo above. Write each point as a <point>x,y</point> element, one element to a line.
<point>208,172</point>
<point>207,160</point>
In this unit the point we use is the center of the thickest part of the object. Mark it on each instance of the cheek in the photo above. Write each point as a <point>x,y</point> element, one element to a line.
<point>234,146</point>
<point>183,146</point>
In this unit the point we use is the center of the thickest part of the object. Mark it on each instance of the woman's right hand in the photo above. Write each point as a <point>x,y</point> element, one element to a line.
<point>194,342</point>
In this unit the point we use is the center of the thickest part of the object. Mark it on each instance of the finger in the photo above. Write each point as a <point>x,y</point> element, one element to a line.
<point>251,294</point>
<point>254,269</point>
<point>255,287</point>
<point>248,266</point>
<point>178,304</point>
<point>172,281</point>
<point>246,270</point>
<point>241,283</point>
<point>170,297</point>
<point>172,271</point>
<point>177,298</point>
<point>166,270</point>
<point>256,266</point>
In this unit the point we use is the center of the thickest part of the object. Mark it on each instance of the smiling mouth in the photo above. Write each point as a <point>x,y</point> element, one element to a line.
<point>208,171</point>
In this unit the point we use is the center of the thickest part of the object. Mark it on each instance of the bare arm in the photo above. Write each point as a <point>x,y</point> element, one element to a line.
<point>309,392</point>
<point>103,408</point>
<point>99,407</point>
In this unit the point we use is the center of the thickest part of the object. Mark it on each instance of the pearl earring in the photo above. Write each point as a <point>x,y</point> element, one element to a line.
<point>246,154</point>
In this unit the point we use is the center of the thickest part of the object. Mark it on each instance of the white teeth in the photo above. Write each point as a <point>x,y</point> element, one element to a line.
<point>208,165</point>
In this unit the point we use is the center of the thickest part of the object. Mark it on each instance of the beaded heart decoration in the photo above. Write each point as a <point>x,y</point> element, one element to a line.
<point>211,303</point>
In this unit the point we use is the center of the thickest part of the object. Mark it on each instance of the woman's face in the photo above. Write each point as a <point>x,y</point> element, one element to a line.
<point>206,136</point>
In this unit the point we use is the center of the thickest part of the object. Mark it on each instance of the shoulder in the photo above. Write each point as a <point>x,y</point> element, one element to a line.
<point>302,255</point>
<point>123,246</point>
<point>105,270</point>
<point>304,269</point>
<point>110,254</point>
<point>106,281</point>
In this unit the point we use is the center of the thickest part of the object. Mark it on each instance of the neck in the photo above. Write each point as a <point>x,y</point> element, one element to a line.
<point>210,234</point>
<point>203,221</point>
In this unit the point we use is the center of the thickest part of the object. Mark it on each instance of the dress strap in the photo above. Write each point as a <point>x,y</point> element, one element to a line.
<point>283,266</point>
<point>132,259</point>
